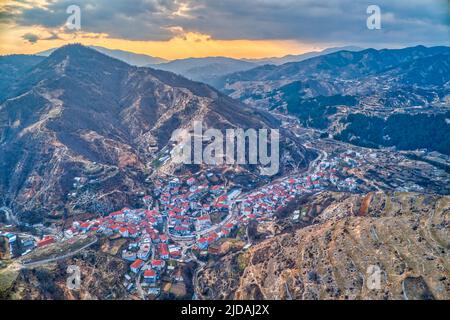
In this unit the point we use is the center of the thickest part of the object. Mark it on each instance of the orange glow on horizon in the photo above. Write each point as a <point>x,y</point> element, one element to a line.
<point>182,45</point>
<point>179,47</point>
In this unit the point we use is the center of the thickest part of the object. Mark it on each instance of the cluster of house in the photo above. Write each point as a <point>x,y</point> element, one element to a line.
<point>337,172</point>
<point>142,227</point>
<point>45,241</point>
<point>148,247</point>
<point>185,208</point>
<point>127,223</point>
<point>183,213</point>
<point>205,241</point>
<point>189,205</point>
<point>151,271</point>
<point>263,203</point>
<point>11,239</point>
<point>27,244</point>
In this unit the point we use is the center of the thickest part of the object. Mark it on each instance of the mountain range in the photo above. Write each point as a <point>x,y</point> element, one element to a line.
<point>211,69</point>
<point>343,64</point>
<point>81,114</point>
<point>207,69</point>
<point>84,134</point>
<point>391,97</point>
<point>300,57</point>
<point>131,58</point>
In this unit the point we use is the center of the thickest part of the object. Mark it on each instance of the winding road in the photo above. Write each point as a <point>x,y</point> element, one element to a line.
<point>8,213</point>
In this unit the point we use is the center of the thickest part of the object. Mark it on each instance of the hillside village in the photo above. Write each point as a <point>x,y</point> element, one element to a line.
<point>185,220</point>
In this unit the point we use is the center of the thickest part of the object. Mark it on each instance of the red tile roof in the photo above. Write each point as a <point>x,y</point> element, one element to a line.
<point>149,273</point>
<point>47,240</point>
<point>157,263</point>
<point>163,249</point>
<point>137,264</point>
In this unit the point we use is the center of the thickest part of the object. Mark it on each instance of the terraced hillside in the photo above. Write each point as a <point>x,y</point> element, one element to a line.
<point>405,234</point>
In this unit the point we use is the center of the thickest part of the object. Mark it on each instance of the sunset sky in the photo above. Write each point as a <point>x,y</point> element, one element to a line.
<point>174,29</point>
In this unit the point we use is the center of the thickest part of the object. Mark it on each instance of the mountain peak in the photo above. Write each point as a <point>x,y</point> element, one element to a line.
<point>82,54</point>
<point>73,48</point>
<point>131,58</point>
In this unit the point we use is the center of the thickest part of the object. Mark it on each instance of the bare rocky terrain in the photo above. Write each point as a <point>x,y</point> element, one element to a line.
<point>406,235</point>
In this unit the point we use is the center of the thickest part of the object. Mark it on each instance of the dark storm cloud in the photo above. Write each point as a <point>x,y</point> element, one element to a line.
<point>30,37</point>
<point>324,21</point>
<point>331,21</point>
<point>131,19</point>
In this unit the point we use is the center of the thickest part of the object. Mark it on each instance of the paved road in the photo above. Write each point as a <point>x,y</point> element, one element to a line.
<point>138,278</point>
<point>9,214</point>
<point>195,276</point>
<point>50,260</point>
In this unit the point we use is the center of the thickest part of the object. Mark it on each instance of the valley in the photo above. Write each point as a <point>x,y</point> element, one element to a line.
<point>371,98</point>
<point>89,181</point>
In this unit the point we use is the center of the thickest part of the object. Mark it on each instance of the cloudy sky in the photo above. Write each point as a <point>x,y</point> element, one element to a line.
<point>235,28</point>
